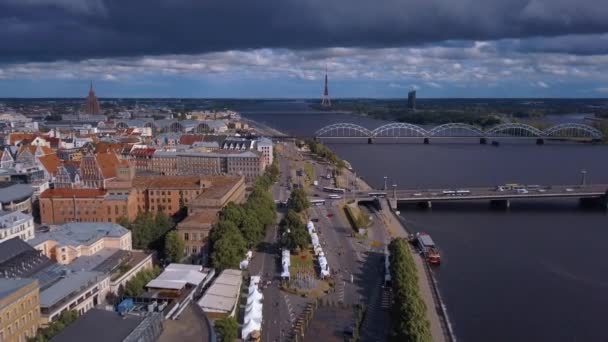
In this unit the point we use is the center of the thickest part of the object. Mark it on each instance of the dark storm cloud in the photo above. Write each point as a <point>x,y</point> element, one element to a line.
<point>43,30</point>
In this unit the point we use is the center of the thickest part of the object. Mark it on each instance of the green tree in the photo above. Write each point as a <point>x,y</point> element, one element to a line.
<point>222,228</point>
<point>66,318</point>
<point>251,228</point>
<point>228,251</point>
<point>227,329</point>
<point>148,230</point>
<point>135,286</point>
<point>298,200</point>
<point>174,246</point>
<point>294,231</point>
<point>233,213</point>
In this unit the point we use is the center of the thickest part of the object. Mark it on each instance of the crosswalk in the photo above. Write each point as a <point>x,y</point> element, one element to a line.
<point>340,291</point>
<point>292,315</point>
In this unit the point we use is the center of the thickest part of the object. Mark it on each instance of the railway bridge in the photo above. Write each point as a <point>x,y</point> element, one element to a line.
<point>397,130</point>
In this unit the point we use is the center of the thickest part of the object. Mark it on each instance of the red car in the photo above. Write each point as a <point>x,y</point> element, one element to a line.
<point>330,215</point>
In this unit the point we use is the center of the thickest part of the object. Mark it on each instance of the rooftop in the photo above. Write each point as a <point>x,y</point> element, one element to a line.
<point>9,219</point>
<point>177,276</point>
<point>220,185</point>
<point>15,192</point>
<point>173,182</point>
<point>71,284</point>
<point>77,234</point>
<point>72,193</point>
<point>206,217</point>
<point>223,294</point>
<point>10,285</point>
<point>100,326</point>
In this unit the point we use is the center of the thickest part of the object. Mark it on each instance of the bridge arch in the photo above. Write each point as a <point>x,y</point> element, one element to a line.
<point>573,130</point>
<point>344,130</point>
<point>514,129</point>
<point>400,130</point>
<point>457,130</point>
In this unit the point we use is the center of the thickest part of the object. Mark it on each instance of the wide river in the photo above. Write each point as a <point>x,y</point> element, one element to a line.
<point>535,272</point>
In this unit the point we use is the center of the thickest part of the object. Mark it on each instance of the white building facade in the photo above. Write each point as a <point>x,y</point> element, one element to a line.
<point>16,224</point>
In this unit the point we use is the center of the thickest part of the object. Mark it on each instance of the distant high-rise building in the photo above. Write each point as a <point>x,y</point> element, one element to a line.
<point>411,100</point>
<point>92,105</point>
<point>325,101</point>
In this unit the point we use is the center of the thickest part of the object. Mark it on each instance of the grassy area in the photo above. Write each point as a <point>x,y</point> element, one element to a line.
<point>302,260</point>
<point>310,171</point>
<point>357,219</point>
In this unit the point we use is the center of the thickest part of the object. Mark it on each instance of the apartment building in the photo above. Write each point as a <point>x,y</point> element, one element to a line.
<point>58,206</point>
<point>67,242</point>
<point>19,309</point>
<point>16,224</point>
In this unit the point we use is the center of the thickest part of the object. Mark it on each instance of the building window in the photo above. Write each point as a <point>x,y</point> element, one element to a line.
<point>186,236</point>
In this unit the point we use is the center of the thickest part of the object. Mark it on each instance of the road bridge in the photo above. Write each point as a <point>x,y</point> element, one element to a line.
<point>399,130</point>
<point>587,193</point>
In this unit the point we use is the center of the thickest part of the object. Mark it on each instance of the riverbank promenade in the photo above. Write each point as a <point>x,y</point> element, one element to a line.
<point>435,315</point>
<point>395,229</point>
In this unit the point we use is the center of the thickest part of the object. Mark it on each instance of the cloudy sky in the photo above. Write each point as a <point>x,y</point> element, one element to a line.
<point>280,48</point>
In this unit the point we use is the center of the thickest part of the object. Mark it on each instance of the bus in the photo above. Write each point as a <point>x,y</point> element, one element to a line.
<point>377,194</point>
<point>334,190</point>
<point>317,202</point>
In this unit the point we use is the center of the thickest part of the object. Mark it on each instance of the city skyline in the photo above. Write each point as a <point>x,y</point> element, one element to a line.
<point>496,49</point>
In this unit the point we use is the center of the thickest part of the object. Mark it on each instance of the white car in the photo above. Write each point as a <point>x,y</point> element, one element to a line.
<point>569,190</point>
<point>417,194</point>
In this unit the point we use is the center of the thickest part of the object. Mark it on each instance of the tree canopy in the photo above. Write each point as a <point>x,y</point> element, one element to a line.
<point>408,309</point>
<point>174,247</point>
<point>298,200</point>
<point>46,334</point>
<point>227,329</point>
<point>294,234</point>
<point>148,230</point>
<point>135,286</point>
<point>243,226</point>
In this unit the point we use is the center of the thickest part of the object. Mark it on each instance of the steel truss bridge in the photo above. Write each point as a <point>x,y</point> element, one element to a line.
<point>572,131</point>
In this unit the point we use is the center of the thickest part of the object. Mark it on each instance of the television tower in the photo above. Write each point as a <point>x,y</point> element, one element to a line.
<point>325,101</point>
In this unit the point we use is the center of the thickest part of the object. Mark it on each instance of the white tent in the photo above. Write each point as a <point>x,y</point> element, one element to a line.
<point>249,327</point>
<point>254,281</point>
<point>310,227</point>
<point>253,310</point>
<point>254,296</point>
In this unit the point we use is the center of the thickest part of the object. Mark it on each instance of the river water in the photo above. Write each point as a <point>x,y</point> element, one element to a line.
<point>535,272</point>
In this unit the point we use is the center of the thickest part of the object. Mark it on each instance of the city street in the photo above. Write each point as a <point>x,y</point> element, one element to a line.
<point>280,308</point>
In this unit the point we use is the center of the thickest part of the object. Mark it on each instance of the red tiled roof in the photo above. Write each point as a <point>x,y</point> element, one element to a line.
<point>72,193</point>
<point>50,162</point>
<point>189,139</point>
<point>15,137</point>
<point>107,162</point>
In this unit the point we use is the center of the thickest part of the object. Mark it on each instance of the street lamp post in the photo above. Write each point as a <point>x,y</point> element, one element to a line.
<point>385,186</point>
<point>583,177</point>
